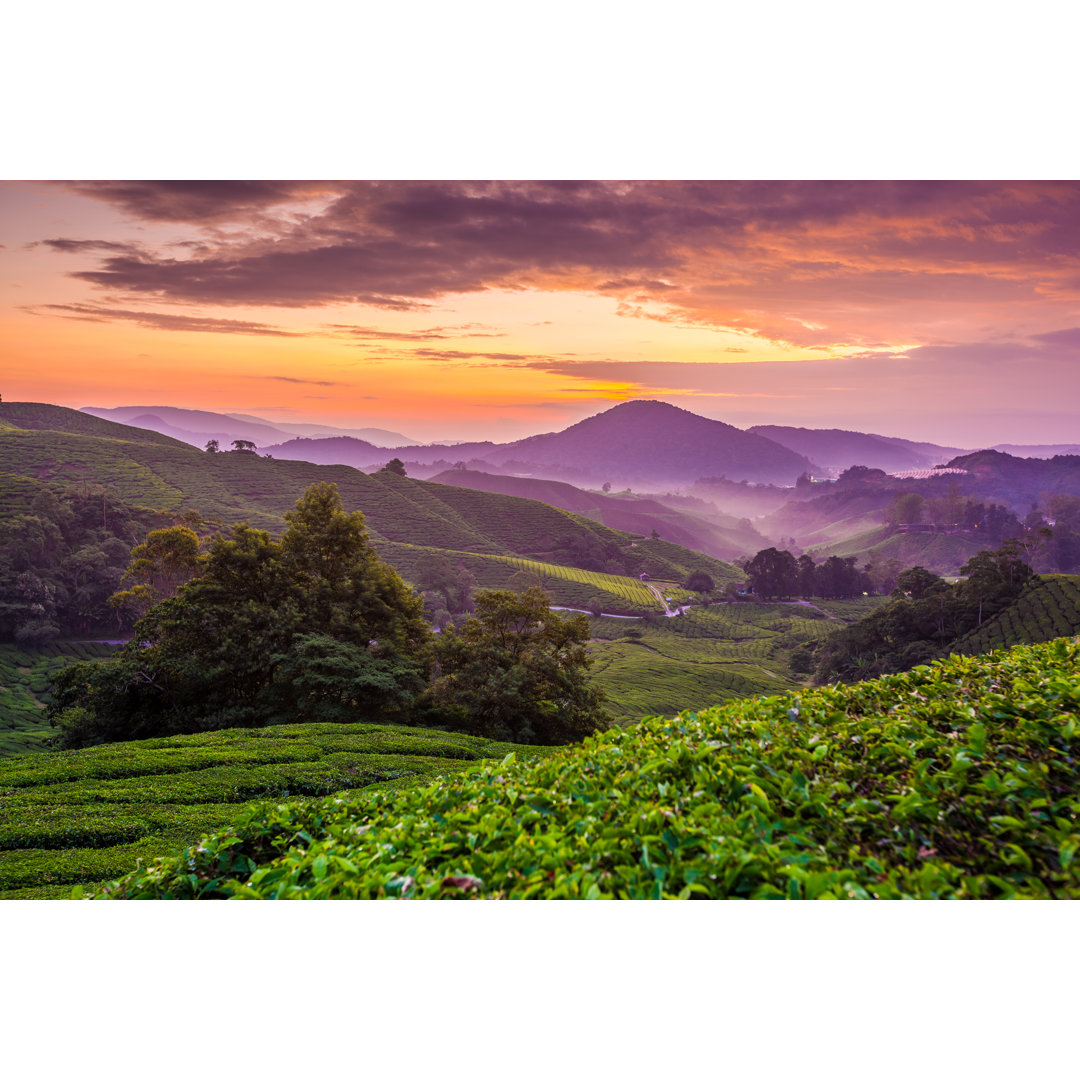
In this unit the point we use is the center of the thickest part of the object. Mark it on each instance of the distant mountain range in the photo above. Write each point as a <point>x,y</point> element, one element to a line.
<point>646,444</point>
<point>835,450</point>
<point>197,426</point>
<point>637,442</point>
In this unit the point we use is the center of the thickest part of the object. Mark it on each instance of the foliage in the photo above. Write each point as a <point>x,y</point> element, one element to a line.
<point>227,648</point>
<point>925,616</point>
<point>83,816</point>
<point>518,671</point>
<point>26,679</point>
<point>1049,609</point>
<point>953,781</point>
<point>158,567</point>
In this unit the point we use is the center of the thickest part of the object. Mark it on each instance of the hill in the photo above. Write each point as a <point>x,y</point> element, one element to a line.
<point>145,480</point>
<point>955,780</point>
<point>1049,610</point>
<point>84,816</point>
<point>653,441</point>
<point>638,441</point>
<point>835,450</point>
<point>196,426</point>
<point>722,536</point>
<point>38,416</point>
<point>941,553</point>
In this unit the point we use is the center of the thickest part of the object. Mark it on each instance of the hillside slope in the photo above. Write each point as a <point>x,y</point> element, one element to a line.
<point>956,780</point>
<point>836,449</point>
<point>726,540</point>
<point>1049,610</point>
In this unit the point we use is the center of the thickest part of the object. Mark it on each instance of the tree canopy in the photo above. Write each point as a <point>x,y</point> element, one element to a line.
<point>517,671</point>
<point>228,648</point>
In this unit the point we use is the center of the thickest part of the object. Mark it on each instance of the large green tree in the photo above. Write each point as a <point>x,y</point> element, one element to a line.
<point>229,647</point>
<point>518,671</point>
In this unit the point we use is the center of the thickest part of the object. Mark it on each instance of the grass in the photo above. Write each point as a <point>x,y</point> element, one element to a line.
<point>956,780</point>
<point>82,817</point>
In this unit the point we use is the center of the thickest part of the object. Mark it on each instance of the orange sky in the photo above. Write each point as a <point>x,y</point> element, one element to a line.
<point>939,311</point>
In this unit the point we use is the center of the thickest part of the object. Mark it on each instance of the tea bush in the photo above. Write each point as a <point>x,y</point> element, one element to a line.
<point>955,780</point>
<point>83,816</point>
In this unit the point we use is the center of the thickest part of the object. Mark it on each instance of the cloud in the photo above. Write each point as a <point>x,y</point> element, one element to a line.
<point>1066,338</point>
<point>160,320</point>
<point>198,200</point>
<point>809,264</point>
<point>290,379</point>
<point>375,333</point>
<point>66,245</point>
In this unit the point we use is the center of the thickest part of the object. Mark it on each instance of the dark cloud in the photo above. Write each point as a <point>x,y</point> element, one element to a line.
<point>198,200</point>
<point>804,263</point>
<point>161,320</point>
<point>1067,338</point>
<point>64,244</point>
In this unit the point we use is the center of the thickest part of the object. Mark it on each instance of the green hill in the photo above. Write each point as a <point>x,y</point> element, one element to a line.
<point>38,416</point>
<point>956,780</point>
<point>84,816</point>
<point>941,553</point>
<point>1050,609</point>
<point>150,470</point>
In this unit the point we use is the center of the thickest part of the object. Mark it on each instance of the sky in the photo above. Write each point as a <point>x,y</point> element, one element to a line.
<point>942,311</point>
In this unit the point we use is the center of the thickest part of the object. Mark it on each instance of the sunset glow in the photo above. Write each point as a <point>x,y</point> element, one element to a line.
<point>498,310</point>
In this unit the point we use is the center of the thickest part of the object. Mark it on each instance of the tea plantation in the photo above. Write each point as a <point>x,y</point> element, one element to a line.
<point>26,678</point>
<point>709,654</point>
<point>86,816</point>
<point>1049,610</point>
<point>956,780</point>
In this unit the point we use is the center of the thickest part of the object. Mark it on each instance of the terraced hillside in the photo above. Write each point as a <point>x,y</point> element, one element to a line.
<point>569,586</point>
<point>956,780</point>
<point>940,553</point>
<point>83,816</point>
<point>1049,610</point>
<point>708,655</point>
<point>26,678</point>
<point>147,469</point>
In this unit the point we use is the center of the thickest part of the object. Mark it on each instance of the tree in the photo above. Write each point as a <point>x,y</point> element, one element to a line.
<point>212,446</point>
<point>396,466</point>
<point>243,445</point>
<point>773,573</point>
<point>518,671</point>
<point>906,509</point>
<point>228,647</point>
<point>699,581</point>
<point>158,567</point>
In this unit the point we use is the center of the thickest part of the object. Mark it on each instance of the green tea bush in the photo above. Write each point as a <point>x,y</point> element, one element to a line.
<point>954,780</point>
<point>76,817</point>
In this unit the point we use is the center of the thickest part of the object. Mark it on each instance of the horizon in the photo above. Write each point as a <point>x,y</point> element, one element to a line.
<point>943,312</point>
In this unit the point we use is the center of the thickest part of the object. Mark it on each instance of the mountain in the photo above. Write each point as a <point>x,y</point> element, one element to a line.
<point>193,426</point>
<point>26,416</point>
<point>144,469</point>
<point>835,449</point>
<point>378,436</point>
<point>1049,451</point>
<point>638,442</point>
<point>722,536</point>
<point>196,426</point>
<point>656,442</point>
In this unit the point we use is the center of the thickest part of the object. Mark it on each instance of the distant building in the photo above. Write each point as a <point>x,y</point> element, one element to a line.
<point>643,576</point>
